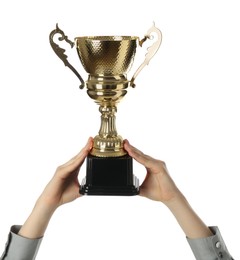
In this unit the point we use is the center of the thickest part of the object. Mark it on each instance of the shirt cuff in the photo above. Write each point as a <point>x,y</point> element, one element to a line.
<point>210,248</point>
<point>18,247</point>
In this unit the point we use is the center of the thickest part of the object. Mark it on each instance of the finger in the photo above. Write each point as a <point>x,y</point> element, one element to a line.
<point>137,154</point>
<point>87,148</point>
<point>83,153</point>
<point>75,163</point>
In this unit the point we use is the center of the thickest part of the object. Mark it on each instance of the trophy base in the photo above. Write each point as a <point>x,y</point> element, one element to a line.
<point>110,176</point>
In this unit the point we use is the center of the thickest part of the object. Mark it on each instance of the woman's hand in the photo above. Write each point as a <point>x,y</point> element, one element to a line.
<point>64,186</point>
<point>158,185</point>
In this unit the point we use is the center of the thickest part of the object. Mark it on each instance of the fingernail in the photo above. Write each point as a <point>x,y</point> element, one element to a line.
<point>89,139</point>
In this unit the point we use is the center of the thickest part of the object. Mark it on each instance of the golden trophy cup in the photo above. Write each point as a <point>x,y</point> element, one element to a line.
<point>107,59</point>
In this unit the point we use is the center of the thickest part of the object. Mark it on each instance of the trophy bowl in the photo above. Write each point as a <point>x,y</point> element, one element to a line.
<point>106,55</point>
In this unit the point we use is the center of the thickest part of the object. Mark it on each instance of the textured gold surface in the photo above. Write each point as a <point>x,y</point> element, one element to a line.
<point>106,55</point>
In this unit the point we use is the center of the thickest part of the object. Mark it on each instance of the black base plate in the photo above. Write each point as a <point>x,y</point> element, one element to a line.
<point>110,176</point>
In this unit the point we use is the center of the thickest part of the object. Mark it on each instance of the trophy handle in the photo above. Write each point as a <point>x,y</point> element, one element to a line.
<point>150,51</point>
<point>61,52</point>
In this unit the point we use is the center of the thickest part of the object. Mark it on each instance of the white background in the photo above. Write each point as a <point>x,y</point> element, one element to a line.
<point>185,110</point>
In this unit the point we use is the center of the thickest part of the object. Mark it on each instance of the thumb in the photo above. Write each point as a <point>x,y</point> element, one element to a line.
<point>139,156</point>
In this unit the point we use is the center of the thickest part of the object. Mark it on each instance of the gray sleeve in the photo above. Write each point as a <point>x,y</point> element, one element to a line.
<point>210,248</point>
<point>20,248</point>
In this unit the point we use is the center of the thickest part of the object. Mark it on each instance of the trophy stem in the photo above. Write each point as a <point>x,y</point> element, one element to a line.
<point>108,143</point>
<point>108,122</point>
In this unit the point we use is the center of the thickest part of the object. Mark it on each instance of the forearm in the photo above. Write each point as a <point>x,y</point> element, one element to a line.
<point>191,224</point>
<point>37,222</point>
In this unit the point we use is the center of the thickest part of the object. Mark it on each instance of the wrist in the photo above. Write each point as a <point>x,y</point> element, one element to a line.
<point>45,207</point>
